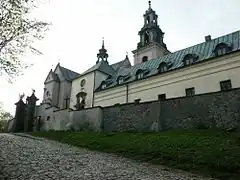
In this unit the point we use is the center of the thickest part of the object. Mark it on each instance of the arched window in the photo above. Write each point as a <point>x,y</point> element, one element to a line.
<point>190,59</point>
<point>139,74</point>
<point>144,59</point>
<point>148,19</point>
<point>146,37</point>
<point>162,67</point>
<point>47,94</point>
<point>222,48</point>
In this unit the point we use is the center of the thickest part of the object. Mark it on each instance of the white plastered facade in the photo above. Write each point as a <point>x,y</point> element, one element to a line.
<point>205,77</point>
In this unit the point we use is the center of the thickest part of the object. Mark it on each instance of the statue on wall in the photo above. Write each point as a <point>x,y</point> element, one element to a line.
<point>18,122</point>
<point>31,106</point>
<point>81,97</point>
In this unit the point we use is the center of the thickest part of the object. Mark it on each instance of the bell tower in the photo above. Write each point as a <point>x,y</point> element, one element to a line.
<point>102,55</point>
<point>151,43</point>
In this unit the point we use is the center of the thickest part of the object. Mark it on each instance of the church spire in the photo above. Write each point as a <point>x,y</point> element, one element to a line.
<point>149,3</point>
<point>150,32</point>
<point>103,43</point>
<point>102,55</point>
<point>151,38</point>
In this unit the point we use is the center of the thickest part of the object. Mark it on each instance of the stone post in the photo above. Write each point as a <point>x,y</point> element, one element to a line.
<point>18,124</point>
<point>31,106</point>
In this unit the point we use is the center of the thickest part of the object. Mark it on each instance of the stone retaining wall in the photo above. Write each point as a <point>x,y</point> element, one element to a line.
<point>214,110</point>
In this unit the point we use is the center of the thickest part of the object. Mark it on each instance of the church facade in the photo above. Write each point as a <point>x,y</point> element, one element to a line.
<point>157,73</point>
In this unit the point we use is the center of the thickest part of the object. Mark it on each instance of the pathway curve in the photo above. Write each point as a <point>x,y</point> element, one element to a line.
<point>26,158</point>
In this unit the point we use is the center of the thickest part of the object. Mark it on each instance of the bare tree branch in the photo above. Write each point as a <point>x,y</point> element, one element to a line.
<point>17,34</point>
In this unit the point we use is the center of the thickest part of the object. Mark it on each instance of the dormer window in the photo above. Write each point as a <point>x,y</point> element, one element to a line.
<point>120,79</point>
<point>139,74</point>
<point>190,59</point>
<point>103,85</point>
<point>222,49</point>
<point>163,67</point>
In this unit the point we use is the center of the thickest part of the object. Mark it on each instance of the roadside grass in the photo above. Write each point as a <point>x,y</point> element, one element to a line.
<point>210,153</point>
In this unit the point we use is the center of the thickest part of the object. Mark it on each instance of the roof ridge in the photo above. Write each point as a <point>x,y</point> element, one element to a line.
<point>68,69</point>
<point>201,43</point>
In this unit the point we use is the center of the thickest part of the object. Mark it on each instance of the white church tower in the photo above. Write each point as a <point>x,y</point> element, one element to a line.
<point>151,43</point>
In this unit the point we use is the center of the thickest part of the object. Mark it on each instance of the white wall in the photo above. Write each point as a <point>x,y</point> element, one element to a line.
<point>65,90</point>
<point>205,77</point>
<point>111,96</point>
<point>52,87</point>
<point>88,88</point>
<point>152,52</point>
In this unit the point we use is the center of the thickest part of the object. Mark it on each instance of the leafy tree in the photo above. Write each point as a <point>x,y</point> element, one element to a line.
<point>18,31</point>
<point>4,117</point>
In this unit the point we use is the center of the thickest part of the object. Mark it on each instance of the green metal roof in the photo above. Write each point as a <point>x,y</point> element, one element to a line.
<point>102,66</point>
<point>68,74</point>
<point>204,51</point>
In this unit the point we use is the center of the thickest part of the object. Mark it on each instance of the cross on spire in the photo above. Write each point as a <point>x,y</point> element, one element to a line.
<point>126,55</point>
<point>103,42</point>
<point>149,2</point>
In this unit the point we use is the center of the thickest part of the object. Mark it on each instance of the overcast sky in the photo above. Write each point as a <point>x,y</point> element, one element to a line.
<point>78,28</point>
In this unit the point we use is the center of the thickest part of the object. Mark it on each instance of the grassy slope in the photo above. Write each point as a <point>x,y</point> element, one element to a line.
<point>212,153</point>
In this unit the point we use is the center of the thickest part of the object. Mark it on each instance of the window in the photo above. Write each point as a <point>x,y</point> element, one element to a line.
<point>162,67</point>
<point>144,59</point>
<point>137,101</point>
<point>190,91</point>
<point>221,51</point>
<point>48,118</point>
<point>104,86</point>
<point>225,85</point>
<point>162,97</point>
<point>120,80</point>
<point>222,48</point>
<point>47,93</point>
<point>190,59</point>
<point>139,75</point>
<point>148,19</point>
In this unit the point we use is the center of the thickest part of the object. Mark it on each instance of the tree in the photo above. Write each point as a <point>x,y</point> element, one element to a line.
<point>18,31</point>
<point>4,117</point>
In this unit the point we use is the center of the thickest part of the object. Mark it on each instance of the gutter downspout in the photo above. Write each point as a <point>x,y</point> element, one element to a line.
<point>127,93</point>
<point>93,88</point>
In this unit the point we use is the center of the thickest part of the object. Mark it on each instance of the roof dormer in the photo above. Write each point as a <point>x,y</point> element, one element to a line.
<point>190,59</point>
<point>222,49</point>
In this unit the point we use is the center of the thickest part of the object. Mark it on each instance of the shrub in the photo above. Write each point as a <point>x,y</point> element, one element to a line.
<point>201,125</point>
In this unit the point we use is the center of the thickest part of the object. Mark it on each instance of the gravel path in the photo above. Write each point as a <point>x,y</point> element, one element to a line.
<point>26,158</point>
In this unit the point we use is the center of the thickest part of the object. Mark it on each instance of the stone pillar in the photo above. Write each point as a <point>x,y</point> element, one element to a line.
<point>18,124</point>
<point>31,106</point>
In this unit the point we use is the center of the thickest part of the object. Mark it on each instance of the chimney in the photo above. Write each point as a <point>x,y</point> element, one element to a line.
<point>208,38</point>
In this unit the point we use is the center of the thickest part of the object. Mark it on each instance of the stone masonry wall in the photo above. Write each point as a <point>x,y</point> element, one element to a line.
<point>87,119</point>
<point>131,117</point>
<point>215,110</point>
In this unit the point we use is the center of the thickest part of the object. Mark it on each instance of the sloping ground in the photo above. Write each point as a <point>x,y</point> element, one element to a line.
<point>210,153</point>
<point>26,158</point>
